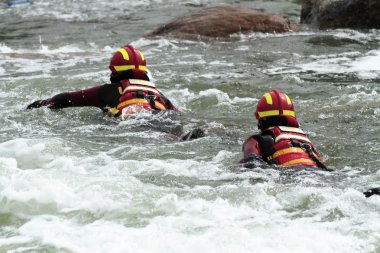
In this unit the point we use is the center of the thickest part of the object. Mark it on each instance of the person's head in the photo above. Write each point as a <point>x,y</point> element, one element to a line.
<point>275,109</point>
<point>128,62</point>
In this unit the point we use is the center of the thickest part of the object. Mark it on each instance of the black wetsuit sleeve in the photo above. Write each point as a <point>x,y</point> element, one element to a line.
<point>253,161</point>
<point>98,96</point>
<point>109,94</point>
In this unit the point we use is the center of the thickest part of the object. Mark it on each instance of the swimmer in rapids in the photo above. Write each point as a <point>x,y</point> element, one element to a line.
<point>281,141</point>
<point>129,92</point>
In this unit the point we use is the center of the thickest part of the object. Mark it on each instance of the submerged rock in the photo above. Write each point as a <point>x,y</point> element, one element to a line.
<point>222,21</point>
<point>341,13</point>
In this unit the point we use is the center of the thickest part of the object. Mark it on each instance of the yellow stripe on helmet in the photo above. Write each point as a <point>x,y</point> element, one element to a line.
<point>124,67</point>
<point>142,56</point>
<point>268,98</point>
<point>269,113</point>
<point>276,113</point>
<point>289,113</point>
<point>124,53</point>
<point>288,100</point>
<point>144,68</point>
<point>127,67</point>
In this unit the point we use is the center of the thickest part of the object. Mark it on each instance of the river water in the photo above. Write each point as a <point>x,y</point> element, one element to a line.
<point>74,180</point>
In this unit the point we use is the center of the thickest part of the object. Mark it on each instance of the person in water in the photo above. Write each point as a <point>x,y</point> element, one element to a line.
<point>280,141</point>
<point>129,92</point>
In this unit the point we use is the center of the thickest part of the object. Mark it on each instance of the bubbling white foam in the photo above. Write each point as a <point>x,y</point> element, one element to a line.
<point>224,98</point>
<point>28,154</point>
<point>196,224</point>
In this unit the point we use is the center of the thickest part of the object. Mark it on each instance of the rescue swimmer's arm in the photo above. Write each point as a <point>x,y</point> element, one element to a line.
<point>253,161</point>
<point>58,101</point>
<point>252,155</point>
<point>193,134</point>
<point>98,96</point>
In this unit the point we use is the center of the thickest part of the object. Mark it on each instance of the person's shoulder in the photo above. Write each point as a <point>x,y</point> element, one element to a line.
<point>111,84</point>
<point>252,139</point>
<point>116,87</point>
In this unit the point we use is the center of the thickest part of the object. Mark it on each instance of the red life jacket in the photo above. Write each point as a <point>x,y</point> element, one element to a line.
<point>287,146</point>
<point>142,94</point>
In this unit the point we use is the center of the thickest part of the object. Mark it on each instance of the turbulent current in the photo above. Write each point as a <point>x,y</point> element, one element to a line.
<point>75,180</point>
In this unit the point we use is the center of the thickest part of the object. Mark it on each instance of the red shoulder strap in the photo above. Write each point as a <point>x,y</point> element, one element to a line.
<point>125,83</point>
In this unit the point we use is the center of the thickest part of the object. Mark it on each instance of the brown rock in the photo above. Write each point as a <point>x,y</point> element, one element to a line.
<point>221,22</point>
<point>341,13</point>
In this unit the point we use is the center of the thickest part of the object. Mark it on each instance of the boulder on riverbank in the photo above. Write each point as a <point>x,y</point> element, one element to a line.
<point>341,13</point>
<point>219,22</point>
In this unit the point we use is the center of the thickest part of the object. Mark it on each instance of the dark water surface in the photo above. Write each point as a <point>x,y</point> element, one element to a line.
<point>77,181</point>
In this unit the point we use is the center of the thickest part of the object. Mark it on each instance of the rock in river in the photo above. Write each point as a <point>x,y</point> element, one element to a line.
<point>341,13</point>
<point>219,22</point>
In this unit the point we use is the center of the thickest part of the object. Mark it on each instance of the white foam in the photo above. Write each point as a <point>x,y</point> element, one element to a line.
<point>181,96</point>
<point>225,216</point>
<point>368,63</point>
<point>54,189</point>
<point>158,44</point>
<point>242,48</point>
<point>8,164</point>
<point>355,35</point>
<point>221,63</point>
<point>63,49</point>
<point>259,35</point>
<point>28,154</point>
<point>190,168</point>
<point>43,49</point>
<point>201,225</point>
<point>364,66</point>
<point>223,97</point>
<point>4,49</point>
<point>230,75</point>
<point>41,62</point>
<point>15,240</point>
<point>28,187</point>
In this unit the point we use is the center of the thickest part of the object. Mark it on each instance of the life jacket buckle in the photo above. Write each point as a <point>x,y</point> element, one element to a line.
<point>306,147</point>
<point>151,97</point>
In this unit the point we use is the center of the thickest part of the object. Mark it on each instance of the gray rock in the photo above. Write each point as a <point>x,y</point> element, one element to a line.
<point>341,13</point>
<point>219,22</point>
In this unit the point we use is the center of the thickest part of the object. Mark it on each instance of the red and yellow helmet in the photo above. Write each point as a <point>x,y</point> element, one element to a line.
<point>275,103</point>
<point>126,58</point>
